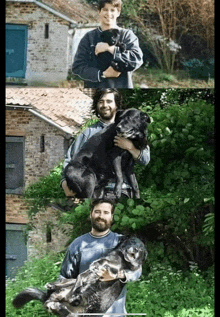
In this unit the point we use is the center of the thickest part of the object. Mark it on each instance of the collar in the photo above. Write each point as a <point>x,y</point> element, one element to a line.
<point>99,237</point>
<point>104,124</point>
<point>100,30</point>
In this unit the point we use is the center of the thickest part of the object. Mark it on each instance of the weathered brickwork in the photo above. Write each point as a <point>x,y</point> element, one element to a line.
<point>46,225</point>
<point>16,209</point>
<point>20,122</point>
<point>23,123</point>
<point>48,59</point>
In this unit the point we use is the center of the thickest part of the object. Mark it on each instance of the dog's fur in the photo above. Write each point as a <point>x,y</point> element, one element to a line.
<point>105,59</point>
<point>87,294</point>
<point>99,160</point>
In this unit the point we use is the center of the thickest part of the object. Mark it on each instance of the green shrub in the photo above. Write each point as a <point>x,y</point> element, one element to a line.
<point>35,273</point>
<point>201,69</point>
<point>166,292</point>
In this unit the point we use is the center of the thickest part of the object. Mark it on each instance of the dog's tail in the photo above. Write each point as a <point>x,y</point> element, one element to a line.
<point>27,295</point>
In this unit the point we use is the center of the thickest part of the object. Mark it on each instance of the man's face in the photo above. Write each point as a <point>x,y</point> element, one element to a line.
<point>106,106</point>
<point>108,16</point>
<point>101,217</point>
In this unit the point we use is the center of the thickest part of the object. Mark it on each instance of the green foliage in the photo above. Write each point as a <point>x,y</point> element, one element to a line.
<point>79,217</point>
<point>162,292</point>
<point>171,293</point>
<point>202,69</point>
<point>40,193</point>
<point>36,273</point>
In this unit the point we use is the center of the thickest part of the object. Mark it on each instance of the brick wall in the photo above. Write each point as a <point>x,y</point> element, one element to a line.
<point>20,122</point>
<point>48,60</point>
<point>16,209</point>
<point>43,221</point>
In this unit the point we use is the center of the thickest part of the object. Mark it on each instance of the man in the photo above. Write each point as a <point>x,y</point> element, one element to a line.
<point>86,64</point>
<point>106,102</point>
<point>95,244</point>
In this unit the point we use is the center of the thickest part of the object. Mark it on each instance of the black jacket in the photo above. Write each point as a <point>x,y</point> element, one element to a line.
<point>86,66</point>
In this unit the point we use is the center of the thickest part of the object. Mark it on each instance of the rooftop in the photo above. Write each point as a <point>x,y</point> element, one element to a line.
<point>66,108</point>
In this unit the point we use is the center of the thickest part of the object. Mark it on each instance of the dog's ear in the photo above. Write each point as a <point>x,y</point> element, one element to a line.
<point>145,117</point>
<point>118,115</point>
<point>115,33</point>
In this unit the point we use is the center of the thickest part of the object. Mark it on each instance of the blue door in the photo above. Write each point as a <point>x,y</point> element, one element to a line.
<point>16,248</point>
<point>16,47</point>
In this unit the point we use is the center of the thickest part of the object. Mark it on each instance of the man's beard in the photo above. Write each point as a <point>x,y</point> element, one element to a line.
<point>108,115</point>
<point>100,226</point>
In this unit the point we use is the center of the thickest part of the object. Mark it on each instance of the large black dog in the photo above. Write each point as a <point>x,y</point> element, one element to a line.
<point>87,294</point>
<point>105,59</point>
<point>99,160</point>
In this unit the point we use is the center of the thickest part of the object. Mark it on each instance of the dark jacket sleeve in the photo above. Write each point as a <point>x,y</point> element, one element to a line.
<point>132,57</point>
<point>83,64</point>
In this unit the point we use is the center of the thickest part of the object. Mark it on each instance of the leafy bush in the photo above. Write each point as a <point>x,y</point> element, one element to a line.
<point>166,292</point>
<point>36,273</point>
<point>162,292</point>
<point>201,69</point>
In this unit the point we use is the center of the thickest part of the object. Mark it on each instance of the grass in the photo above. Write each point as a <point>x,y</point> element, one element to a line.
<point>144,78</point>
<point>156,78</point>
<point>162,292</point>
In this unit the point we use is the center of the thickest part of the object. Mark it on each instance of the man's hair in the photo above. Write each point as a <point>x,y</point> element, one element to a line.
<point>96,202</point>
<point>100,92</point>
<point>116,3</point>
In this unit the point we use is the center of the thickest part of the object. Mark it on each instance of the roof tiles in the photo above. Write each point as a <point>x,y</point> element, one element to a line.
<point>67,107</point>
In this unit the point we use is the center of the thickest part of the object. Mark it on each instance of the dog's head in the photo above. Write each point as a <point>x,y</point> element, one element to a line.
<point>110,36</point>
<point>134,251</point>
<point>131,124</point>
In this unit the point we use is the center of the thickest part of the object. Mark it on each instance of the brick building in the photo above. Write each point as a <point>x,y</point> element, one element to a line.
<point>41,38</point>
<point>40,122</point>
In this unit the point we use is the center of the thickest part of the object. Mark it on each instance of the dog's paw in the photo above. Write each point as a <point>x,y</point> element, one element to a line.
<point>50,286</point>
<point>117,192</point>
<point>75,300</point>
<point>52,306</point>
<point>137,195</point>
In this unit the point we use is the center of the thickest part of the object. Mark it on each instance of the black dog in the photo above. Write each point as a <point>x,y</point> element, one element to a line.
<point>112,37</point>
<point>87,294</point>
<point>99,160</point>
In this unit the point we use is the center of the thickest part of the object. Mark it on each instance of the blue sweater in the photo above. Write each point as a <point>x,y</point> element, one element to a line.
<point>86,66</point>
<point>88,248</point>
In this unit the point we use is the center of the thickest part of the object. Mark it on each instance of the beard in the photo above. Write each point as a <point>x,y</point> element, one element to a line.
<point>100,226</point>
<point>107,114</point>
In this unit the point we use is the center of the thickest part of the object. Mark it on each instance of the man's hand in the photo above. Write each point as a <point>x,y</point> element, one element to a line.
<point>110,72</point>
<point>102,47</point>
<point>105,276</point>
<point>128,145</point>
<point>67,191</point>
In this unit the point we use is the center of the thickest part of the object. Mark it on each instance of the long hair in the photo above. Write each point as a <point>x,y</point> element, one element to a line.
<point>100,92</point>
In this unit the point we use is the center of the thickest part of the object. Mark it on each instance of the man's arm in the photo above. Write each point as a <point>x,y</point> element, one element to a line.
<point>141,156</point>
<point>132,56</point>
<point>82,65</point>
